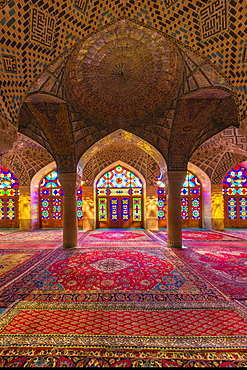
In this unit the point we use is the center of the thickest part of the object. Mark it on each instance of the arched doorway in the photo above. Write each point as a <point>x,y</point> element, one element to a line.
<point>190,202</point>
<point>235,197</point>
<point>9,199</point>
<point>51,202</point>
<point>119,199</point>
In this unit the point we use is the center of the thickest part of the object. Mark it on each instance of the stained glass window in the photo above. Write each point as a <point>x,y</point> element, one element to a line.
<point>243,208</point>
<point>232,208</point>
<point>184,208</point>
<point>2,213</point>
<point>190,198</point>
<point>113,209</point>
<point>119,177</point>
<point>125,209</point>
<point>9,198</point>
<point>235,181</point>
<point>45,206</point>
<point>50,186</point>
<point>118,187</point>
<point>102,206</point>
<point>137,210</point>
<point>9,185</point>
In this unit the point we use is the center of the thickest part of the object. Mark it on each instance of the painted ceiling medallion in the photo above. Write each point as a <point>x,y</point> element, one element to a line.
<point>123,75</point>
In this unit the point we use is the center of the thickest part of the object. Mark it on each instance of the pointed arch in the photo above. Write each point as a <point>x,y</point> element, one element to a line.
<point>128,167</point>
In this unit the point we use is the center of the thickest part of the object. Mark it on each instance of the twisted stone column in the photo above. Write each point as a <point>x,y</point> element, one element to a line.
<point>174,222</point>
<point>70,183</point>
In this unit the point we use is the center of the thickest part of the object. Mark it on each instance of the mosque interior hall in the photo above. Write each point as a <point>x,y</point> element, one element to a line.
<point>123,183</point>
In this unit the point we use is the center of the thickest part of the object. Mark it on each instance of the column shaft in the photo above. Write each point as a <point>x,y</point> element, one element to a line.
<point>69,183</point>
<point>174,222</point>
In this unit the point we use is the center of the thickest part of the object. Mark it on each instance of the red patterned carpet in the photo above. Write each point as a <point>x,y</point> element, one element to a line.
<point>122,298</point>
<point>195,235</point>
<point>224,267</point>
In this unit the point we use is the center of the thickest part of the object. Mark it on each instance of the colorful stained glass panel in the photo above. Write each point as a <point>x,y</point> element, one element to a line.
<point>236,177</point>
<point>79,209</point>
<point>113,209</point>
<point>119,177</point>
<point>56,209</point>
<point>137,210</point>
<point>10,209</point>
<point>102,209</point>
<point>161,208</point>
<point>232,208</point>
<point>2,213</point>
<point>125,209</point>
<point>243,208</point>
<point>184,208</point>
<point>45,209</point>
<point>195,208</point>
<point>7,179</point>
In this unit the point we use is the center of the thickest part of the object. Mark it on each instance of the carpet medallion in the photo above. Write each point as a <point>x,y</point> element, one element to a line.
<point>153,270</point>
<point>118,235</point>
<point>212,325</point>
<point>225,268</point>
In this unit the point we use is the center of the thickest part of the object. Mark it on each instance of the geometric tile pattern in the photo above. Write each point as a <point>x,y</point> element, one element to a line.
<point>126,153</point>
<point>221,153</point>
<point>180,20</point>
<point>42,27</point>
<point>25,159</point>
<point>213,18</point>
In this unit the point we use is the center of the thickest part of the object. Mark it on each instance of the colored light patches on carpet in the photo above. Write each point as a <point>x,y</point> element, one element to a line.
<point>217,325</point>
<point>224,267</point>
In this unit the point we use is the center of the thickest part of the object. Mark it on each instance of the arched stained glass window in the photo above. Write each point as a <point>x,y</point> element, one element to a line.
<point>51,200</point>
<point>119,199</point>
<point>119,177</point>
<point>234,188</point>
<point>9,185</point>
<point>190,201</point>
<point>235,181</point>
<point>9,199</point>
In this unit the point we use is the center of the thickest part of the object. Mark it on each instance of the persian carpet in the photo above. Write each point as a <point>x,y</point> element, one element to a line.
<point>15,262</point>
<point>218,325</point>
<point>127,269</point>
<point>36,236</point>
<point>118,235</point>
<point>224,267</point>
<point>201,235</point>
<point>105,357</point>
<point>22,285</point>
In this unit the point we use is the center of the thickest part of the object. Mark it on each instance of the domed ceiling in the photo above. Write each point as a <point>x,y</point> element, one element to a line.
<point>123,75</point>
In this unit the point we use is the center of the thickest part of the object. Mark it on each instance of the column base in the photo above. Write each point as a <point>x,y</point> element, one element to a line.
<point>68,246</point>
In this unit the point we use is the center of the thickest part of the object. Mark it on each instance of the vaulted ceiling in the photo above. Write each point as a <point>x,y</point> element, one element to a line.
<point>73,72</point>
